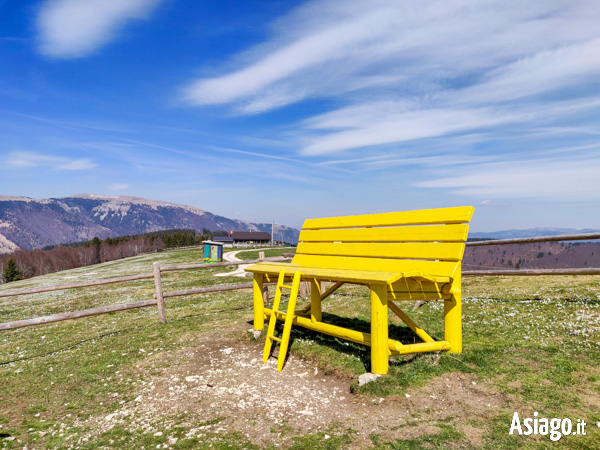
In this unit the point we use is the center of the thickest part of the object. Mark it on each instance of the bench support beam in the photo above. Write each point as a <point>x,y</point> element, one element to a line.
<point>259,303</point>
<point>379,329</point>
<point>315,300</point>
<point>393,347</point>
<point>452,321</point>
<point>410,323</point>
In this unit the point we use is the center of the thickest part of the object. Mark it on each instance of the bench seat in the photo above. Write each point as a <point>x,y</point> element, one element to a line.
<point>345,275</point>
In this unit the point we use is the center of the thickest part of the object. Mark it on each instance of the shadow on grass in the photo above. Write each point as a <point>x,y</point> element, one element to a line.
<point>340,346</point>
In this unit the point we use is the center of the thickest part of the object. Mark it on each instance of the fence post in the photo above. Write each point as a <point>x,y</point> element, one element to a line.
<point>304,289</point>
<point>261,255</point>
<point>160,301</point>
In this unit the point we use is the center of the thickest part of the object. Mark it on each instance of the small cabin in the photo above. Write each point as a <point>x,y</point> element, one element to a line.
<point>213,251</point>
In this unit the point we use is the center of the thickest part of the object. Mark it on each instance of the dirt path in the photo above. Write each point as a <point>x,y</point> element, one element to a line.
<point>239,272</point>
<point>219,384</point>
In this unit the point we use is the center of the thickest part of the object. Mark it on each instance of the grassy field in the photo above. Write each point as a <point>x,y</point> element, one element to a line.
<point>531,344</point>
<point>249,255</point>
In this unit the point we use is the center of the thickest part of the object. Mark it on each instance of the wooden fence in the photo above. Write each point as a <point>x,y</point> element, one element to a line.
<point>158,300</point>
<point>160,295</point>
<point>525,272</point>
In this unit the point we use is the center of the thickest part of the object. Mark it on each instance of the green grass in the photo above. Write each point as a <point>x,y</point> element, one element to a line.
<point>533,340</point>
<point>447,437</point>
<point>249,255</point>
<point>70,370</point>
<point>333,438</point>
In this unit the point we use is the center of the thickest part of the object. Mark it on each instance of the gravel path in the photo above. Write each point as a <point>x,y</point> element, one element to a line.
<point>239,272</point>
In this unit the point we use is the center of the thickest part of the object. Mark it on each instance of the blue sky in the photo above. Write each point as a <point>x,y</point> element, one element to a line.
<point>280,110</point>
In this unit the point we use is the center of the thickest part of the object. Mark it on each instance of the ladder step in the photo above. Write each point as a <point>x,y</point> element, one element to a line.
<point>275,339</point>
<point>286,286</point>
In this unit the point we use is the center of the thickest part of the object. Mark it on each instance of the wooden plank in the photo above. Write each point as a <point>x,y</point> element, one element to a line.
<point>231,287</point>
<point>422,347</point>
<point>74,315</point>
<point>461,214</point>
<point>11,293</point>
<point>364,276</point>
<point>142,276</point>
<point>564,237</point>
<point>408,289</point>
<point>416,295</point>
<point>422,250</point>
<point>331,290</point>
<point>328,273</point>
<point>394,347</point>
<point>440,268</point>
<point>407,284</point>
<point>438,233</point>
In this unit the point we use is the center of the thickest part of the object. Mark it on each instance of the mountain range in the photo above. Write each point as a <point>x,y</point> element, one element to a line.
<point>530,232</point>
<point>35,223</point>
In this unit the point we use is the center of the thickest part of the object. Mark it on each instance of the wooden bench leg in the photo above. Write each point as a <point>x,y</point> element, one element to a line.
<point>259,304</point>
<point>315,301</point>
<point>379,329</point>
<point>452,321</point>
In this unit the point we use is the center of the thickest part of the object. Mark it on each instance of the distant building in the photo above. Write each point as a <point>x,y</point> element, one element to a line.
<point>249,238</point>
<point>227,241</point>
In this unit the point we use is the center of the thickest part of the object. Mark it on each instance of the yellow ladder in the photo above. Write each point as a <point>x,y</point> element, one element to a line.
<point>289,317</point>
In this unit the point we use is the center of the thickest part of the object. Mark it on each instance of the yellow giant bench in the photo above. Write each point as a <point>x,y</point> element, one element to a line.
<point>409,255</point>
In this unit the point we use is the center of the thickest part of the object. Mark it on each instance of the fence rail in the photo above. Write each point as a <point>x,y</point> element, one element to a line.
<point>158,300</point>
<point>564,237</point>
<point>141,276</point>
<point>534,272</point>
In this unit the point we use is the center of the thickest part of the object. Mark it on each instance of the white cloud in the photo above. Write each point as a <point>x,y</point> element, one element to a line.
<point>31,159</point>
<point>327,48</point>
<point>417,70</point>
<point>119,187</point>
<point>75,28</point>
<point>576,179</point>
<point>77,164</point>
<point>546,71</point>
<point>382,129</point>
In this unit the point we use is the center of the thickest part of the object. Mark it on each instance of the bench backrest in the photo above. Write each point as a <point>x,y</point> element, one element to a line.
<point>429,241</point>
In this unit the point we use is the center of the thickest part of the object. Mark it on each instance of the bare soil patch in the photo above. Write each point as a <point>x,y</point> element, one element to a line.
<point>218,384</point>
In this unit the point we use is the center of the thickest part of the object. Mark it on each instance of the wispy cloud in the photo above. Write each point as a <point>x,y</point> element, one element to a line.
<point>414,70</point>
<point>76,28</point>
<point>119,187</point>
<point>325,48</point>
<point>31,159</point>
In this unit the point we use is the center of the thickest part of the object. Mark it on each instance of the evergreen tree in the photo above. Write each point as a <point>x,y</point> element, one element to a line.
<point>189,240</point>
<point>12,272</point>
<point>96,243</point>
